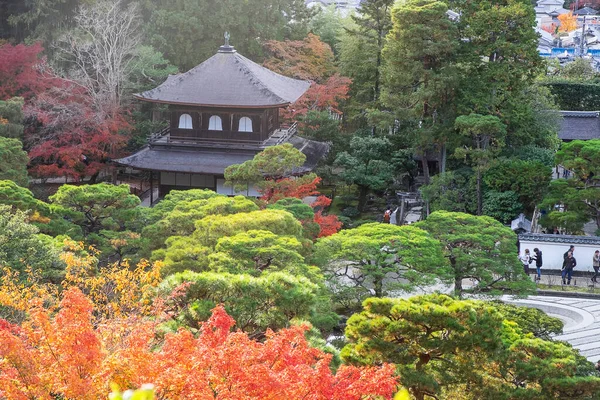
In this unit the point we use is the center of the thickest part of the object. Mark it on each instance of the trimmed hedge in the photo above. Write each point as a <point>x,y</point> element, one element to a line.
<point>575,96</point>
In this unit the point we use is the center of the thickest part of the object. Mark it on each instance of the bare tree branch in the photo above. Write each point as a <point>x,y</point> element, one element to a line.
<point>101,49</point>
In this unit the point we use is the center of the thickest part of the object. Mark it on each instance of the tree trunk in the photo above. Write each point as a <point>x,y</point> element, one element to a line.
<point>94,178</point>
<point>442,166</point>
<point>400,219</point>
<point>457,278</point>
<point>425,163</point>
<point>419,395</point>
<point>479,195</point>
<point>363,191</point>
<point>378,66</point>
<point>458,286</point>
<point>378,283</point>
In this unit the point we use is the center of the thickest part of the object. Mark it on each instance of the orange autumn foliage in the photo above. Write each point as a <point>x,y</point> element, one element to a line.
<point>66,355</point>
<point>321,97</point>
<point>298,187</point>
<point>552,28</point>
<point>50,355</point>
<point>309,59</point>
<point>568,22</point>
<point>329,224</point>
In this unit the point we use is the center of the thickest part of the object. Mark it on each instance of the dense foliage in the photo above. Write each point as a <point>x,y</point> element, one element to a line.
<point>492,357</point>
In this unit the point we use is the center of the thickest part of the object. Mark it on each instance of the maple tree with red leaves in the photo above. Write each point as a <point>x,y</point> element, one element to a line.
<point>67,355</point>
<point>552,28</point>
<point>329,224</point>
<point>65,136</point>
<point>299,188</point>
<point>22,71</point>
<point>322,97</point>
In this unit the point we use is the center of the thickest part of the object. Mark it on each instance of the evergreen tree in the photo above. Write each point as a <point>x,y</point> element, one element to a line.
<point>361,52</point>
<point>421,74</point>
<point>480,249</point>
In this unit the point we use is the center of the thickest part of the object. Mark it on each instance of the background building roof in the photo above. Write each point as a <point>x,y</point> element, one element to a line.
<point>585,11</point>
<point>580,125</point>
<point>228,79</point>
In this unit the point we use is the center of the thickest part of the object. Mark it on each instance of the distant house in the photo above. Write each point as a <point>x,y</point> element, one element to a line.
<point>546,11</point>
<point>344,6</point>
<point>545,42</point>
<point>579,125</point>
<point>585,11</point>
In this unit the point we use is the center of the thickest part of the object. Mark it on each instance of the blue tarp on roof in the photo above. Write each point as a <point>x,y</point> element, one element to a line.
<point>556,51</point>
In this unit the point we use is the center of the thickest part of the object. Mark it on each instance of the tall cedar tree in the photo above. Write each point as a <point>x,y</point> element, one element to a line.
<point>510,55</point>
<point>374,22</point>
<point>420,74</point>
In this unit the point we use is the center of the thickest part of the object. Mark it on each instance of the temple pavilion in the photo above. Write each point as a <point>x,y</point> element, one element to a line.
<point>222,112</point>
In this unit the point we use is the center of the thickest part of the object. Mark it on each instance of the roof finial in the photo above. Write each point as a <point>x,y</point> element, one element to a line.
<point>226,48</point>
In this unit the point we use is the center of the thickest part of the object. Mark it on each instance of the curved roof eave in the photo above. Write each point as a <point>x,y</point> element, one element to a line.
<point>140,97</point>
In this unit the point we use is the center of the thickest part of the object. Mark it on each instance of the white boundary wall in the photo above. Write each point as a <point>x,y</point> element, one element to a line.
<point>554,246</point>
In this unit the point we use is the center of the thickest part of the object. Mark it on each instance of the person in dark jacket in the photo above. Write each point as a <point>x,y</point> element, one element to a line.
<point>537,257</point>
<point>568,266</point>
<point>571,250</point>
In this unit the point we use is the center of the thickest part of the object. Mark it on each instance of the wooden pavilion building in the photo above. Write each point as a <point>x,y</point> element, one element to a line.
<point>222,112</point>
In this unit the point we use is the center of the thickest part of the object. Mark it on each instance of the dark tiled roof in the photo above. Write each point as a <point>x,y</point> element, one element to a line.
<point>212,161</point>
<point>580,125</point>
<point>205,161</point>
<point>566,239</point>
<point>585,11</point>
<point>228,79</point>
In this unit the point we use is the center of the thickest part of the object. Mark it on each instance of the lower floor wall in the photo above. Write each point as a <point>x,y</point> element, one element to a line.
<point>181,181</point>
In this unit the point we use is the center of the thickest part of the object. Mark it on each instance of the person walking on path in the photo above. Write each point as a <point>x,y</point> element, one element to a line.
<point>526,259</point>
<point>596,265</point>
<point>537,257</point>
<point>567,270</point>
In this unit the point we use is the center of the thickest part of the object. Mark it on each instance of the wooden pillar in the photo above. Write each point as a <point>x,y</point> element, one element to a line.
<point>264,132</point>
<point>151,188</point>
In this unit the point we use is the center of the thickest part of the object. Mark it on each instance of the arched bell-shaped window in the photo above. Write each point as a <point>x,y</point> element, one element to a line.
<point>185,121</point>
<point>245,125</point>
<point>215,124</point>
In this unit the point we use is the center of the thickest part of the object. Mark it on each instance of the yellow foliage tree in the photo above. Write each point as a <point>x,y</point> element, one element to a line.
<point>568,22</point>
<point>116,291</point>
